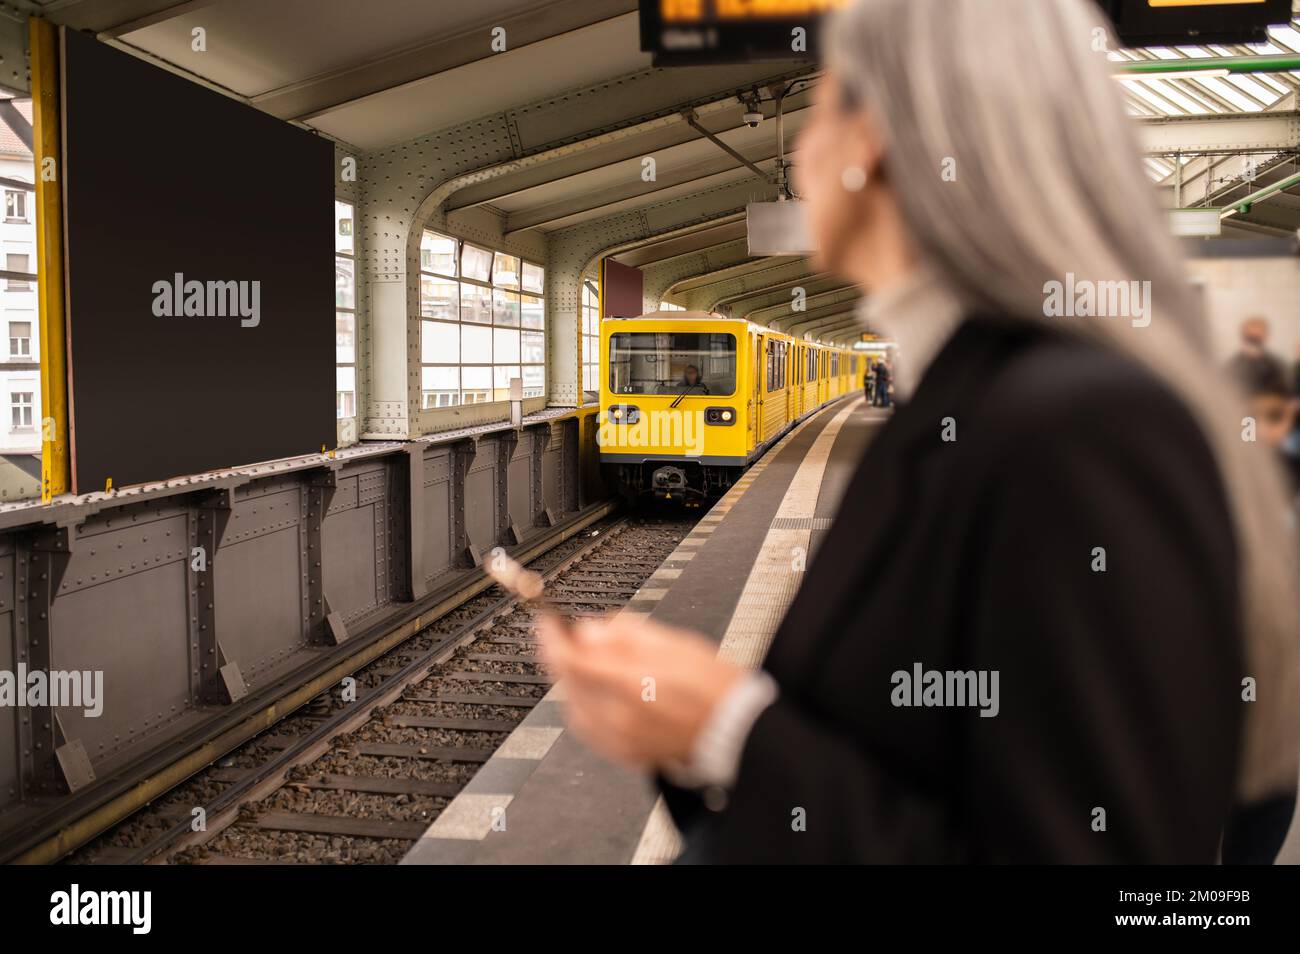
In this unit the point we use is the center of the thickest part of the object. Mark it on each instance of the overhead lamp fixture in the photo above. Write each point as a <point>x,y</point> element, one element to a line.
<point>1197,222</point>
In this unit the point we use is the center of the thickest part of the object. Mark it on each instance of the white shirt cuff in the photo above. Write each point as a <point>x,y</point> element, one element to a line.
<point>715,756</point>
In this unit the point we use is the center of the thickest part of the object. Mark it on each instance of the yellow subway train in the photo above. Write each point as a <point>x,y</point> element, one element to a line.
<point>689,400</point>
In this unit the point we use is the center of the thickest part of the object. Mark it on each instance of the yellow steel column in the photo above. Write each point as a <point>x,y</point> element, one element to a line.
<point>55,461</point>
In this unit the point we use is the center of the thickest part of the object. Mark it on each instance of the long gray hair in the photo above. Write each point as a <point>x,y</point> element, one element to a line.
<point>1049,181</point>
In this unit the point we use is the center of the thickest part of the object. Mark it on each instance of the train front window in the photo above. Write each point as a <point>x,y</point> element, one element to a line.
<point>690,363</point>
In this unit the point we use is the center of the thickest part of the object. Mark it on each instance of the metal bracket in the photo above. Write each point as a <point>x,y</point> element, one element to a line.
<point>230,685</point>
<point>208,523</point>
<point>320,493</point>
<point>74,765</point>
<point>462,455</point>
<point>41,566</point>
<point>507,441</point>
<point>335,627</point>
<point>693,120</point>
<point>541,437</point>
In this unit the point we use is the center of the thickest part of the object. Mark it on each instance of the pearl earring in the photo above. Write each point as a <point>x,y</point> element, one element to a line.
<point>854,179</point>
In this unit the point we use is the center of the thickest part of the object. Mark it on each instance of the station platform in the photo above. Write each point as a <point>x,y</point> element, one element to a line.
<point>731,578</point>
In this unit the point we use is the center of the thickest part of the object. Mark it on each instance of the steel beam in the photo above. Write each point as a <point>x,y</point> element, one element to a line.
<point>1227,133</point>
<point>620,198</point>
<point>833,294</point>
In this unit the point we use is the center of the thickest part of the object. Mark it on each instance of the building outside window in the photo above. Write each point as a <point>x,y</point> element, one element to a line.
<point>483,322</point>
<point>20,339</point>
<point>15,206</point>
<point>590,339</point>
<point>669,306</point>
<point>20,443</point>
<point>18,263</point>
<point>345,312</point>
<point>20,409</point>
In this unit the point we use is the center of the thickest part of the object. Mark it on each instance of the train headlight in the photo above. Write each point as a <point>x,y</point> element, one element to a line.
<point>624,414</point>
<point>723,416</point>
<point>726,416</point>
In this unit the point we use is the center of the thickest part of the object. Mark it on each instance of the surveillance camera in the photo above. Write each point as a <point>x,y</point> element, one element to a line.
<point>752,119</point>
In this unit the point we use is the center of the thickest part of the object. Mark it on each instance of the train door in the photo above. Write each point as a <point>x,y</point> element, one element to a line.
<point>791,389</point>
<point>796,378</point>
<point>760,386</point>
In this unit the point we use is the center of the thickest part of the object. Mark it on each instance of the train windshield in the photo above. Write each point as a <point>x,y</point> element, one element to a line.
<point>658,362</point>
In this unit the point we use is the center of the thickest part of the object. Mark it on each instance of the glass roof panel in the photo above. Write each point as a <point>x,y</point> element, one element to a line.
<point>1252,87</point>
<point>1231,94</point>
<point>1287,36</point>
<point>1160,105</point>
<point>1170,92</point>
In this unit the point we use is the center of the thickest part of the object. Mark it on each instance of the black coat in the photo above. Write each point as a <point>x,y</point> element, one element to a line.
<point>1118,690</point>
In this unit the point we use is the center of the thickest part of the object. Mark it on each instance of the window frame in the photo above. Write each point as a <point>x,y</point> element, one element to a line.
<point>21,195</point>
<point>514,322</point>
<point>20,352</point>
<point>590,342</point>
<point>734,354</point>
<point>348,256</point>
<point>17,409</point>
<point>19,284</point>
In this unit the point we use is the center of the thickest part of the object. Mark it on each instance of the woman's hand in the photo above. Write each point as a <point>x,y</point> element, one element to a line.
<point>636,691</point>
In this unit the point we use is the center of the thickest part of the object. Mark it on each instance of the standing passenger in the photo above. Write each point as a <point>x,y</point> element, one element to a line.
<point>884,376</point>
<point>1087,532</point>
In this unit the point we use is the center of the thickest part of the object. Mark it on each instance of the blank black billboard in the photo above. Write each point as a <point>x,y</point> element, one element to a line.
<point>199,271</point>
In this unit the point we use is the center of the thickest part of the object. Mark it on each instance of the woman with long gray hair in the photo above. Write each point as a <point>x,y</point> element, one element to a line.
<point>1062,504</point>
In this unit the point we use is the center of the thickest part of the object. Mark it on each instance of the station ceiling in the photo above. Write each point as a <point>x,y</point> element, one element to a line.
<point>383,72</point>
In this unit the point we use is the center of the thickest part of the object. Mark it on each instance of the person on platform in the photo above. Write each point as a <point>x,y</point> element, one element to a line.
<point>1063,507</point>
<point>884,375</point>
<point>1254,364</point>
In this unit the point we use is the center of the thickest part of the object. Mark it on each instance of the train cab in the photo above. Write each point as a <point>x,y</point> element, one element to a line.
<point>689,399</point>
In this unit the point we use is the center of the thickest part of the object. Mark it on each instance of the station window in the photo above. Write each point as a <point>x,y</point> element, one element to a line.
<point>20,339</point>
<point>345,312</point>
<point>590,339</point>
<point>20,409</point>
<point>669,306</point>
<point>483,322</point>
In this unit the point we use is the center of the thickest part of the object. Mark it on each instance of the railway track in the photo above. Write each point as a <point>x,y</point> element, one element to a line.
<point>361,771</point>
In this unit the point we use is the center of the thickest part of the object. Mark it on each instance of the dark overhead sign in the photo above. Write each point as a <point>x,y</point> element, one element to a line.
<point>1195,22</point>
<point>691,32</point>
